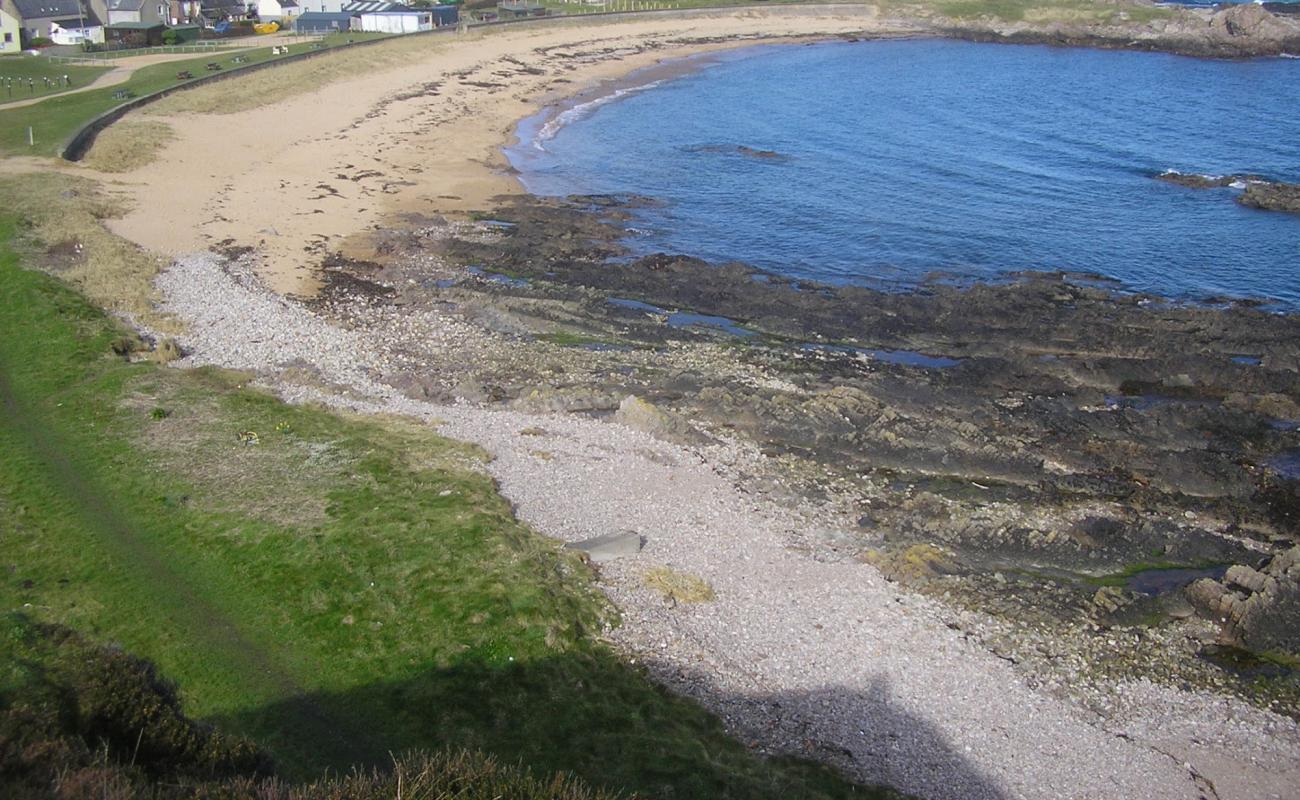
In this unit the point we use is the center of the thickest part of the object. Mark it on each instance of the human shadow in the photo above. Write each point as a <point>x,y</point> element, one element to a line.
<point>593,715</point>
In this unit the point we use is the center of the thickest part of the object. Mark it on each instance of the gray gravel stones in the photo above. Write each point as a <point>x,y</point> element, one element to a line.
<point>814,656</point>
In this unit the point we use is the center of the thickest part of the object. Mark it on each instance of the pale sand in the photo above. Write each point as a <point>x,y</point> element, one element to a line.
<point>311,172</point>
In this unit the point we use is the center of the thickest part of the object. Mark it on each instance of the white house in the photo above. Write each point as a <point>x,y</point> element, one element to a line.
<point>321,6</point>
<point>11,28</point>
<point>278,10</point>
<point>71,31</point>
<point>408,20</point>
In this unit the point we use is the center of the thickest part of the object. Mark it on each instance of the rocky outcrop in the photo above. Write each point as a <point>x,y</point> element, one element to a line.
<point>1272,197</point>
<point>1238,31</point>
<point>1193,180</point>
<point>1257,192</point>
<point>1257,609</point>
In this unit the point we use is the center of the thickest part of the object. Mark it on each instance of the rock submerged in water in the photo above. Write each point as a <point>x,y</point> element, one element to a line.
<point>1256,608</point>
<point>1258,192</point>
<point>1272,197</point>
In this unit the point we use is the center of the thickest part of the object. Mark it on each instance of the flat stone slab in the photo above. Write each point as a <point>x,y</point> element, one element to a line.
<point>609,546</point>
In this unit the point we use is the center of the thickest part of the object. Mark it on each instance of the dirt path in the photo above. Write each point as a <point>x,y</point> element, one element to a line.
<point>339,741</point>
<point>123,69</point>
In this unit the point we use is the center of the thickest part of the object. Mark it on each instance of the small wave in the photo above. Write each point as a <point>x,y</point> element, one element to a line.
<point>555,124</point>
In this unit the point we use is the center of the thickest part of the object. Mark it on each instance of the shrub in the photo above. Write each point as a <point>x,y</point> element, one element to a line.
<point>81,721</point>
<point>169,37</point>
<point>40,41</point>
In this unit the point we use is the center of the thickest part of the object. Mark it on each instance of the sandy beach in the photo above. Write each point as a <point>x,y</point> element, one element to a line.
<point>313,172</point>
<point>803,652</point>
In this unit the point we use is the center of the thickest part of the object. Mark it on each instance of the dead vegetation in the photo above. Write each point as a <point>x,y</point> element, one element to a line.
<point>679,587</point>
<point>129,145</point>
<point>65,234</point>
<point>270,86</point>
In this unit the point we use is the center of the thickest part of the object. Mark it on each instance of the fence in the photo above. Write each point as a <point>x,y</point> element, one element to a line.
<point>99,57</point>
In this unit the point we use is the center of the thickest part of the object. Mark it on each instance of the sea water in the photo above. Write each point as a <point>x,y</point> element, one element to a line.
<point>890,162</point>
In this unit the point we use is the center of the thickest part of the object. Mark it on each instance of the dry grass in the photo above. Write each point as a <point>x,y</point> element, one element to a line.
<point>272,85</point>
<point>679,587</point>
<point>65,235</point>
<point>128,145</point>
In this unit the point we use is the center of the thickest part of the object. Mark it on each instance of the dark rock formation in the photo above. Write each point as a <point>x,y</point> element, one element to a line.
<point>1257,609</point>
<point>1272,197</point>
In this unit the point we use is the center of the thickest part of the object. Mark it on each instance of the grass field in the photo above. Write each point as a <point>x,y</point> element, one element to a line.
<point>55,120</point>
<point>337,589</point>
<point>16,70</point>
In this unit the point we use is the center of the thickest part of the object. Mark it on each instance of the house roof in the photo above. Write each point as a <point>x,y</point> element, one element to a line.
<point>323,16</point>
<point>74,23</point>
<point>371,6</point>
<point>125,5</point>
<point>35,9</point>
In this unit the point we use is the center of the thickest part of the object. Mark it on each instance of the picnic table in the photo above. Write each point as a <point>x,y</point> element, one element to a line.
<point>123,94</point>
<point>184,75</point>
<point>213,66</point>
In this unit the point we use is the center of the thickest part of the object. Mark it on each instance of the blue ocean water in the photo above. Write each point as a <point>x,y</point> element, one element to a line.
<point>894,160</point>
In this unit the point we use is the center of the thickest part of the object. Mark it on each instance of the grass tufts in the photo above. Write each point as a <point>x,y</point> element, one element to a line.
<point>679,587</point>
<point>63,232</point>
<point>129,145</point>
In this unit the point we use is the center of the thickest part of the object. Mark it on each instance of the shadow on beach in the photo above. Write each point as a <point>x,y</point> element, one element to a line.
<point>593,716</point>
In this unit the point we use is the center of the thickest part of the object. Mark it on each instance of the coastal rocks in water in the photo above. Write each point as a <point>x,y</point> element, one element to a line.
<point>1193,180</point>
<point>1252,21</point>
<point>1258,192</point>
<point>740,149</point>
<point>1272,197</point>
<point>1256,608</point>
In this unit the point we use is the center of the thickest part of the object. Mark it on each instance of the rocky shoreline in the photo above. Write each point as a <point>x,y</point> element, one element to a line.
<point>1257,191</point>
<point>1246,30</point>
<point>1046,449</point>
<point>993,576</point>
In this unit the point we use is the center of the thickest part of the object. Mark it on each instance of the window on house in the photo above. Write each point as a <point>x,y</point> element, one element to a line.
<point>9,38</point>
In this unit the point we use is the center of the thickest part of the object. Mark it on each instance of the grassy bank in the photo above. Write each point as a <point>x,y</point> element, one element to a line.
<point>336,589</point>
<point>54,120</point>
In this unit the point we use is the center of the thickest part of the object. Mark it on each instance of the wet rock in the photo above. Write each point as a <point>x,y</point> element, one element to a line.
<point>1194,180</point>
<point>1272,197</point>
<point>1256,609</point>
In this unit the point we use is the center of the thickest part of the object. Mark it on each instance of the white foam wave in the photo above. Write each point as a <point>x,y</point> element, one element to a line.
<point>555,124</point>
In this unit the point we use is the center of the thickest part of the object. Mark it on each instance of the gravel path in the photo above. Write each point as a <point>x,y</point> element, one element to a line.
<point>800,652</point>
